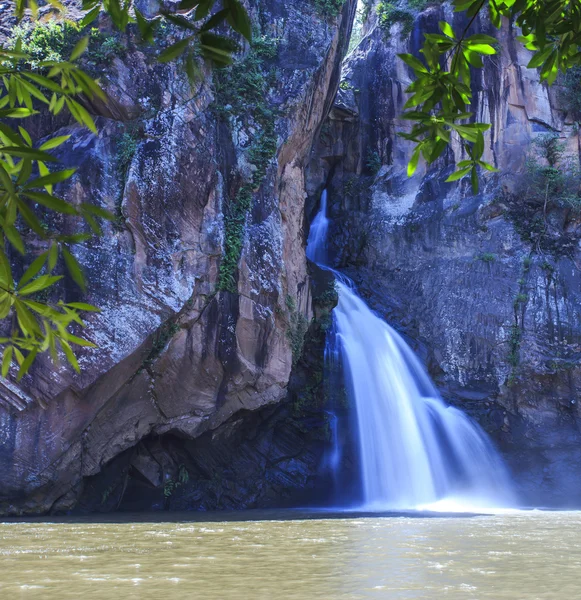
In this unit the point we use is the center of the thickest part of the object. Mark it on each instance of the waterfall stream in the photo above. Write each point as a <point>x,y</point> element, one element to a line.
<point>414,450</point>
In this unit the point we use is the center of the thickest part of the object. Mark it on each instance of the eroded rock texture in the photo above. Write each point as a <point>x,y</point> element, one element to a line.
<point>178,357</point>
<point>488,288</point>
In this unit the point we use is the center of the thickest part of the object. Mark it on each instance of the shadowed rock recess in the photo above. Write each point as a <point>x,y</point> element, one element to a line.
<point>207,390</point>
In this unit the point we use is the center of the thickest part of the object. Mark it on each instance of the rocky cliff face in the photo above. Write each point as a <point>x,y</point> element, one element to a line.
<point>202,280</point>
<point>201,395</point>
<point>487,288</point>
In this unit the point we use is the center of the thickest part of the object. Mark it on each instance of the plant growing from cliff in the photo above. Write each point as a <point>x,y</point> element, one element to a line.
<point>390,12</point>
<point>41,73</point>
<point>373,162</point>
<point>552,179</point>
<point>296,332</point>
<point>329,8</point>
<point>241,93</point>
<point>441,95</point>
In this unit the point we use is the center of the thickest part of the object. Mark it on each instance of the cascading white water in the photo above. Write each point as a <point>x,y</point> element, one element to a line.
<point>415,451</point>
<point>316,244</point>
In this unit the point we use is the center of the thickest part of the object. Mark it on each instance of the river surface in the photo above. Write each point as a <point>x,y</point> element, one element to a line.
<point>279,556</point>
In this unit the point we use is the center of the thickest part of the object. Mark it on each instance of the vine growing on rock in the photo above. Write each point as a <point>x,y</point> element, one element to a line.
<point>329,8</point>
<point>241,94</point>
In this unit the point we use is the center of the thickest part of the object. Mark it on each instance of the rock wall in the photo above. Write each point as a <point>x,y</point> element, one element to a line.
<point>181,356</point>
<point>486,288</point>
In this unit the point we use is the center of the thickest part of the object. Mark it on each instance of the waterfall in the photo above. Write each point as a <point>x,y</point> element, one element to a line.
<point>316,244</point>
<point>414,450</point>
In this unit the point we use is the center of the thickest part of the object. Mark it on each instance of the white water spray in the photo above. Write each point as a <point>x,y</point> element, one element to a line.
<point>415,451</point>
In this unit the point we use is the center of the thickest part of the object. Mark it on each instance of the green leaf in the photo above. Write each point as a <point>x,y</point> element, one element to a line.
<point>90,17</point>
<point>52,202</point>
<point>482,48</point>
<point>70,355</point>
<point>238,19</point>
<point>80,341</point>
<point>413,62</point>
<point>80,114</point>
<point>413,164</point>
<point>203,9</point>
<point>215,20</point>
<point>180,21</point>
<point>25,366</point>
<point>174,50</point>
<point>474,180</point>
<point>24,152</point>
<point>488,166</point>
<point>446,29</point>
<point>53,255</point>
<point>25,135</point>
<point>83,306</point>
<point>74,269</point>
<point>33,269</point>
<point>6,360</point>
<point>478,149</point>
<point>98,211</point>
<point>14,238</point>
<point>6,280</point>
<point>458,175</point>
<point>145,27</point>
<point>26,321</point>
<point>50,179</point>
<point>481,38</point>
<point>5,304</point>
<point>16,113</point>
<point>54,142</point>
<point>40,283</point>
<point>79,48</point>
<point>540,57</point>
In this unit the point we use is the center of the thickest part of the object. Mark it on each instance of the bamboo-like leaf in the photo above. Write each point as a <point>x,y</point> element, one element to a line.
<point>458,174</point>
<point>52,178</point>
<point>474,180</point>
<point>14,238</point>
<point>53,254</point>
<point>79,48</point>
<point>26,364</point>
<point>446,29</point>
<point>74,268</point>
<point>83,306</point>
<point>238,19</point>
<point>26,320</point>
<point>70,355</point>
<point>52,202</point>
<point>33,269</point>
<point>24,152</point>
<point>7,360</point>
<point>174,50</point>
<point>54,142</point>
<point>73,339</point>
<point>413,164</point>
<point>40,283</point>
<point>6,280</point>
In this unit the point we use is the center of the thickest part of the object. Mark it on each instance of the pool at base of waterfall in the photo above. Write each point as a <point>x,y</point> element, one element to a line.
<point>294,555</point>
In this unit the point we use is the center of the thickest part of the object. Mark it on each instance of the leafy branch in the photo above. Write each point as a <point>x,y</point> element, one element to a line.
<point>441,94</point>
<point>33,323</point>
